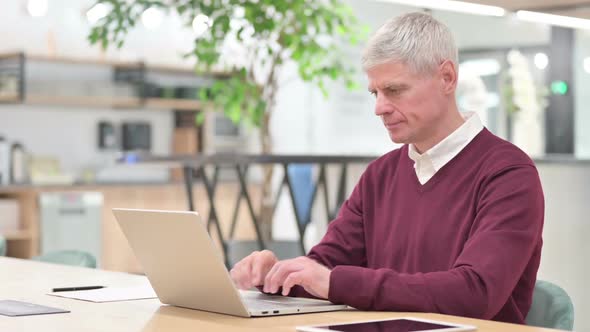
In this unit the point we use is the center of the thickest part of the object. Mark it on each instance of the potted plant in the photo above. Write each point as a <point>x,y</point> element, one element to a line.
<point>268,35</point>
<point>524,103</point>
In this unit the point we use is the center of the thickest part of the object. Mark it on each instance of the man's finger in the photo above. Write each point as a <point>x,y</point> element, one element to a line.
<point>281,274</point>
<point>244,274</point>
<point>295,278</point>
<point>270,276</point>
<point>260,268</point>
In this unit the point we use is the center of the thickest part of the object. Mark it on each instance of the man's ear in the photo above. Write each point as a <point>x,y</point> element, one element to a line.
<point>449,75</point>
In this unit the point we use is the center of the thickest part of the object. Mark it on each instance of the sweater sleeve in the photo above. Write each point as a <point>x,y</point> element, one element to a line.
<point>344,241</point>
<point>506,230</point>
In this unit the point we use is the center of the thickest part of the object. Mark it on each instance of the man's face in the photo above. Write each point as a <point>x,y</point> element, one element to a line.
<point>409,104</point>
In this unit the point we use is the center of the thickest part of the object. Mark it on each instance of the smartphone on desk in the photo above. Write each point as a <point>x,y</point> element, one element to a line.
<point>405,324</point>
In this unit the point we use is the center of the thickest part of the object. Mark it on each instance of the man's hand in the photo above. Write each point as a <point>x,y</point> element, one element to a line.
<point>303,271</point>
<point>251,271</point>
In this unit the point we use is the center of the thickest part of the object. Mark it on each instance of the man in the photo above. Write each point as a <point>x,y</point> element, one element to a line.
<point>449,223</point>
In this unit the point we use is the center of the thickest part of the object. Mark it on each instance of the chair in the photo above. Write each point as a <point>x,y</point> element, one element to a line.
<point>301,176</point>
<point>551,308</point>
<point>68,257</point>
<point>2,246</point>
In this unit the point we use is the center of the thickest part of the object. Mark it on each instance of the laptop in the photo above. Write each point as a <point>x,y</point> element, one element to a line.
<point>186,269</point>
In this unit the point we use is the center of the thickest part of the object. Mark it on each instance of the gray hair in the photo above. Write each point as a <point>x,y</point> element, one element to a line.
<point>416,39</point>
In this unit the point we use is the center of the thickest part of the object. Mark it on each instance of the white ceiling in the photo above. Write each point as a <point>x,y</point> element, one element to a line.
<point>578,8</point>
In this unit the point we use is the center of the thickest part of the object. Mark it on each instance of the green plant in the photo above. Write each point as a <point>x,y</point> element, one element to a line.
<point>310,33</point>
<point>270,33</point>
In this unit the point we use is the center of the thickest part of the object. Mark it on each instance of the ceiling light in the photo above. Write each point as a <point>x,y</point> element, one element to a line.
<point>455,6</point>
<point>541,60</point>
<point>564,21</point>
<point>97,12</point>
<point>587,65</point>
<point>152,18</point>
<point>201,23</point>
<point>37,8</point>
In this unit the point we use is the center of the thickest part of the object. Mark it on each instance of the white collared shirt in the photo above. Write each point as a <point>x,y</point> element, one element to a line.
<point>431,161</point>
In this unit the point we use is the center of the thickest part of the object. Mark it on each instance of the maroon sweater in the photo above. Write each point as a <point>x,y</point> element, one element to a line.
<point>467,242</point>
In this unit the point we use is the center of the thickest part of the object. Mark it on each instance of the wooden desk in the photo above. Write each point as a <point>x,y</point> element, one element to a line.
<point>29,281</point>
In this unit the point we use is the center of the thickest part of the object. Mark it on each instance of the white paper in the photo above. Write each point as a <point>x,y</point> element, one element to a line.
<point>111,294</point>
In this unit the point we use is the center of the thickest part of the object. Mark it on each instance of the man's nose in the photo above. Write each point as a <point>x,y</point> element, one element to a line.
<point>382,107</point>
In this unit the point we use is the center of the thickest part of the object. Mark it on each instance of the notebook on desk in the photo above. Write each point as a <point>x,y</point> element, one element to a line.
<point>186,270</point>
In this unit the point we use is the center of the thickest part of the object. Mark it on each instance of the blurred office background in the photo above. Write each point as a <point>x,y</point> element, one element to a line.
<point>60,143</point>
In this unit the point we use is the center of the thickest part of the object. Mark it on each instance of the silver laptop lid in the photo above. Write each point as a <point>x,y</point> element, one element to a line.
<point>180,260</point>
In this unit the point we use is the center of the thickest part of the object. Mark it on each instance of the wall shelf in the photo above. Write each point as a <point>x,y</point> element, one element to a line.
<point>84,101</point>
<point>119,64</point>
<point>143,86</point>
<point>114,102</point>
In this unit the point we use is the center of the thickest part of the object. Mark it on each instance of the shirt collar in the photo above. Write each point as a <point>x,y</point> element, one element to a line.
<point>448,148</point>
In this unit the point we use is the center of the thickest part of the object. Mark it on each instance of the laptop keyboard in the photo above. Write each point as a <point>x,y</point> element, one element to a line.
<point>261,301</point>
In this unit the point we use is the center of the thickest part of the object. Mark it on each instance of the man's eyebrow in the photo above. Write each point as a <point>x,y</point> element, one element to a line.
<point>390,86</point>
<point>395,86</point>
